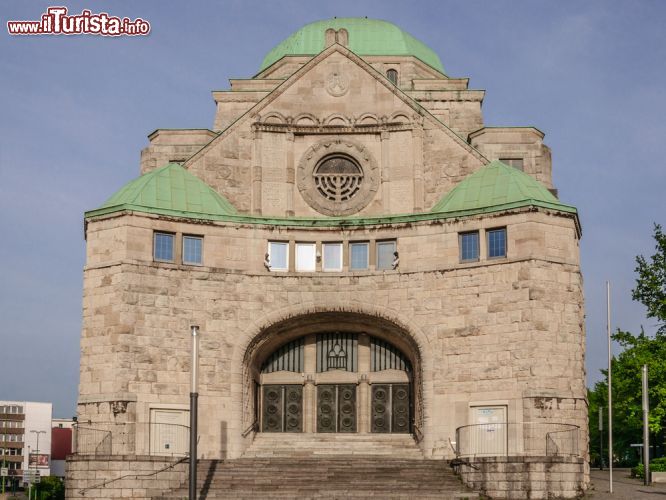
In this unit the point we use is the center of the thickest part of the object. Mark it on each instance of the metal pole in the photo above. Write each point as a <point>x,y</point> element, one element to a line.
<point>646,429</point>
<point>610,391</point>
<point>601,438</point>
<point>194,396</point>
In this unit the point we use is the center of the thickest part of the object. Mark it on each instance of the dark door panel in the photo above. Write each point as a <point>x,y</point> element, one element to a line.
<point>282,408</point>
<point>272,409</point>
<point>326,408</point>
<point>400,408</point>
<point>381,410</point>
<point>346,408</point>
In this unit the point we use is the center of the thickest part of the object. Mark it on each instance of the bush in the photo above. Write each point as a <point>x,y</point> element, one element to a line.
<point>656,465</point>
<point>50,488</point>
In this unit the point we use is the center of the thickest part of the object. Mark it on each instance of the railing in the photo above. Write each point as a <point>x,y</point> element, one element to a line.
<point>90,441</point>
<point>104,438</point>
<point>517,439</point>
<point>253,427</point>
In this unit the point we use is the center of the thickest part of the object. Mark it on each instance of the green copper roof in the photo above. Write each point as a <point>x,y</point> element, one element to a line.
<point>497,184</point>
<point>367,37</point>
<point>172,188</point>
<point>173,191</point>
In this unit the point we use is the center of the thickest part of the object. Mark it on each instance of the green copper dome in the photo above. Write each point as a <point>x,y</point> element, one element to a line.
<point>367,37</point>
<point>498,185</point>
<point>168,190</point>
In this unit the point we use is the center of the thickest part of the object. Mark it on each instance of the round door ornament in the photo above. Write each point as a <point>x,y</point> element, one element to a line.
<point>337,177</point>
<point>294,396</point>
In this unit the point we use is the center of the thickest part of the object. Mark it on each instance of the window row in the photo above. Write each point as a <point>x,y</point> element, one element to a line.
<point>331,256</point>
<point>164,248</point>
<point>11,409</point>
<point>11,438</point>
<point>470,247</point>
<point>11,424</point>
<point>11,452</point>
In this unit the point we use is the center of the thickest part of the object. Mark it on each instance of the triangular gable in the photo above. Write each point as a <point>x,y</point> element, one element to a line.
<point>298,75</point>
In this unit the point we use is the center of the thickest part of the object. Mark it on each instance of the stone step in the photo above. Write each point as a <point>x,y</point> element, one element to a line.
<point>321,445</point>
<point>331,478</point>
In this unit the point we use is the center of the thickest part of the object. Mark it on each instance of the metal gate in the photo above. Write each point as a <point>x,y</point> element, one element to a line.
<point>282,408</point>
<point>391,408</point>
<point>336,408</point>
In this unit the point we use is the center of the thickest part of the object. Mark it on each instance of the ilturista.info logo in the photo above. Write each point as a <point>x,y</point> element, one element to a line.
<point>58,21</point>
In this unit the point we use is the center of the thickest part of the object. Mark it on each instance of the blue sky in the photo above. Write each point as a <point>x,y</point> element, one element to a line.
<point>76,112</point>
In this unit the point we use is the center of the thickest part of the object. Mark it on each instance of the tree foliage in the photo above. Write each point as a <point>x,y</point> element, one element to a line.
<point>651,283</point>
<point>50,488</point>
<point>638,350</point>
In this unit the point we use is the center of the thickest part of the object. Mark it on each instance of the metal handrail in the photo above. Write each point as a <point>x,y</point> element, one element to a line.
<point>141,438</point>
<point>254,426</point>
<point>517,439</point>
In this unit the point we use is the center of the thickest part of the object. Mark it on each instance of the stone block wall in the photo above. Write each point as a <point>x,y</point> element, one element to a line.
<point>122,476</point>
<point>527,478</point>
<point>505,331</point>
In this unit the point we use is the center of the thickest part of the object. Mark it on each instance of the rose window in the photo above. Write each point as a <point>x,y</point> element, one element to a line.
<point>338,177</point>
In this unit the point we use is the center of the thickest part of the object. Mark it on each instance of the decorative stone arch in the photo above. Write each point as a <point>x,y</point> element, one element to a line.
<point>367,119</point>
<point>367,189</point>
<point>274,117</point>
<point>337,120</point>
<point>278,327</point>
<point>399,117</point>
<point>306,119</point>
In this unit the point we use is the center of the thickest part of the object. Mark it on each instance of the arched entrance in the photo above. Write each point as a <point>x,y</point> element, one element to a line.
<point>335,373</point>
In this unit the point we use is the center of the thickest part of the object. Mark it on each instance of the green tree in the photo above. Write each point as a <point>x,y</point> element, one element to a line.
<point>651,283</point>
<point>50,488</point>
<point>638,350</point>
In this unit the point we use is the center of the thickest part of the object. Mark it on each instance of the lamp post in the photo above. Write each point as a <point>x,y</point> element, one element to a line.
<point>610,391</point>
<point>194,396</point>
<point>601,438</point>
<point>36,455</point>
<point>646,428</point>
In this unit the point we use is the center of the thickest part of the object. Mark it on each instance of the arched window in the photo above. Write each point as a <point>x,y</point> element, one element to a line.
<point>392,75</point>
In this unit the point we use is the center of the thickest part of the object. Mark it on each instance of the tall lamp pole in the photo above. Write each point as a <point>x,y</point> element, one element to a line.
<point>36,454</point>
<point>610,392</point>
<point>601,438</point>
<point>646,429</point>
<point>194,397</point>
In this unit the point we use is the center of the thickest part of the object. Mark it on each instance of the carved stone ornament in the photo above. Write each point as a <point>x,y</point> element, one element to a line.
<point>337,84</point>
<point>337,177</point>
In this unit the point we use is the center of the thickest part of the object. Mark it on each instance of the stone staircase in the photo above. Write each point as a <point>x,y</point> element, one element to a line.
<point>335,466</point>
<point>329,445</point>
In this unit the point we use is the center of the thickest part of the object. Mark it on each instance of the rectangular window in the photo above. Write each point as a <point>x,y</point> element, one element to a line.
<point>163,247</point>
<point>278,255</point>
<point>385,257</point>
<point>496,243</point>
<point>513,162</point>
<point>306,259</point>
<point>332,256</point>
<point>469,246</point>
<point>193,250</point>
<point>358,256</point>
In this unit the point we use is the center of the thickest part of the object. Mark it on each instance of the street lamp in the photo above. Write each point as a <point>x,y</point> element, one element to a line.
<point>36,454</point>
<point>194,396</point>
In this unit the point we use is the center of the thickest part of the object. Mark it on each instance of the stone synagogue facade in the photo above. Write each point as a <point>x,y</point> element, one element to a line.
<point>363,256</point>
